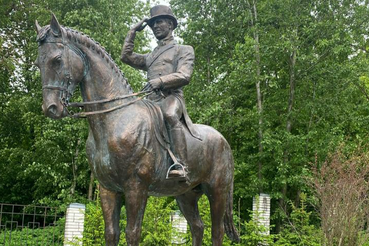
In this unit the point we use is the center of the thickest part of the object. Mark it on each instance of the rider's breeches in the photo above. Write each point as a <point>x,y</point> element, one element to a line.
<point>172,111</point>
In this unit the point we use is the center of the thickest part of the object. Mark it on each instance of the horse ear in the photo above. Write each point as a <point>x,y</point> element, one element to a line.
<point>38,27</point>
<point>54,25</point>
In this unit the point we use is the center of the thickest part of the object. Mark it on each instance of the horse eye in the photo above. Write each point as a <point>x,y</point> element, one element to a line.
<point>57,59</point>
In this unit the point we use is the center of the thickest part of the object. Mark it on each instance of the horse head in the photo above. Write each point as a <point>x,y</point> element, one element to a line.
<point>62,66</point>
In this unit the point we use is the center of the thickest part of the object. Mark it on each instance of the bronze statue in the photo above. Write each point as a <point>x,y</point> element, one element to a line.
<point>169,67</point>
<point>126,146</point>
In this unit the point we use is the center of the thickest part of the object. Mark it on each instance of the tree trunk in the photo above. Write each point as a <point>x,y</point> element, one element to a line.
<point>97,188</point>
<point>259,97</point>
<point>292,90</point>
<point>91,187</point>
<point>258,94</point>
<point>286,153</point>
<point>208,67</point>
<point>74,168</point>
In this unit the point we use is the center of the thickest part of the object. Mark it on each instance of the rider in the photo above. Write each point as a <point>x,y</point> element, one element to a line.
<point>169,67</point>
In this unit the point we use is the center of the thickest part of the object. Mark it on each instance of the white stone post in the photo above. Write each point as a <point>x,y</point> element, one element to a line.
<point>261,211</point>
<point>179,226</point>
<point>74,224</point>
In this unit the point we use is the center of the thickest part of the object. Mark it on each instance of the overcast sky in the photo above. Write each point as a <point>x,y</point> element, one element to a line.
<point>164,2</point>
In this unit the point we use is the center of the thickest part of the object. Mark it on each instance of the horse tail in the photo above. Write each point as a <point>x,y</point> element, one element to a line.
<point>229,226</point>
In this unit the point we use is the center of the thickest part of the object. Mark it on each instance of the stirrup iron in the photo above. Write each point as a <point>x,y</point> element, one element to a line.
<point>176,166</point>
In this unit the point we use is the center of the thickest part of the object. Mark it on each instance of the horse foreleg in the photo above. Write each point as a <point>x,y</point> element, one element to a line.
<point>111,203</point>
<point>188,206</point>
<point>136,199</point>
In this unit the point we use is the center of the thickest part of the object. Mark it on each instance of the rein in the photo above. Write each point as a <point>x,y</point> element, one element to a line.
<point>82,104</point>
<point>85,114</point>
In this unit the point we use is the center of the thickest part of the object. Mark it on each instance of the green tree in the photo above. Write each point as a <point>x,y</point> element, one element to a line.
<point>43,161</point>
<point>310,61</point>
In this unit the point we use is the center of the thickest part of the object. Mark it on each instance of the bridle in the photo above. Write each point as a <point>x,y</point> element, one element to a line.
<point>66,89</point>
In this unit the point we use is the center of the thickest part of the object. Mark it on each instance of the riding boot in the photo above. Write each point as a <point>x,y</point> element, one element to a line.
<point>180,151</point>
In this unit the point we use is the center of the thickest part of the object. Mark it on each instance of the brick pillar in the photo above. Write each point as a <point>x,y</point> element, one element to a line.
<point>74,224</point>
<point>261,210</point>
<point>179,225</point>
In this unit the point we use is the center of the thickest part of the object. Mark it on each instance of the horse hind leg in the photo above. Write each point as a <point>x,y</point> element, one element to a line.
<point>217,199</point>
<point>217,191</point>
<point>188,205</point>
<point>111,203</point>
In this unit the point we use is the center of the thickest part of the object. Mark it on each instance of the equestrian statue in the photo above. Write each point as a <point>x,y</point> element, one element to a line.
<point>139,144</point>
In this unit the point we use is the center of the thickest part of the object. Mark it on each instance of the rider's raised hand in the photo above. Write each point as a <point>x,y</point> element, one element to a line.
<point>140,25</point>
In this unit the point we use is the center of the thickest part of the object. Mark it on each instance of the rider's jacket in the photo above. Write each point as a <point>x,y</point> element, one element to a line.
<point>169,61</point>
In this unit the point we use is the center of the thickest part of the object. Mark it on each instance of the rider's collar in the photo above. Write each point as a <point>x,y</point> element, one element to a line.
<point>165,41</point>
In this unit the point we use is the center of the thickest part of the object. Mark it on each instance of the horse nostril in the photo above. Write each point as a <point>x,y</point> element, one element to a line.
<point>51,110</point>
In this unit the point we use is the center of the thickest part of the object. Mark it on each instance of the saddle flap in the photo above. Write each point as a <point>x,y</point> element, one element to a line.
<point>160,131</point>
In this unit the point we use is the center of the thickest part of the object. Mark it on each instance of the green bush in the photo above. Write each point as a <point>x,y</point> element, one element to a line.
<point>297,230</point>
<point>51,235</point>
<point>156,229</point>
<point>252,234</point>
<point>93,233</point>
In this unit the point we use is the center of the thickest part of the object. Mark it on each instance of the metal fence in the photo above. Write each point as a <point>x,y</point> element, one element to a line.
<point>30,225</point>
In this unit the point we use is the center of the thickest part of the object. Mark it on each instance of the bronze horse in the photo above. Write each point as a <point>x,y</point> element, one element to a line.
<point>123,148</point>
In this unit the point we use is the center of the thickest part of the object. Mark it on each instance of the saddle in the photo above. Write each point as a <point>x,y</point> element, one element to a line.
<point>161,134</point>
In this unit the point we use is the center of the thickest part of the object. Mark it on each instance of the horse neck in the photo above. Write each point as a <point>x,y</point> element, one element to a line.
<point>103,79</point>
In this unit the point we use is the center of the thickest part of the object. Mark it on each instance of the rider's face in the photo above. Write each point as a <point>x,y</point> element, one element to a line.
<point>162,28</point>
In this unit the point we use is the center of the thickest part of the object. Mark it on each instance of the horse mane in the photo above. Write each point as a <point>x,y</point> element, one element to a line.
<point>81,38</point>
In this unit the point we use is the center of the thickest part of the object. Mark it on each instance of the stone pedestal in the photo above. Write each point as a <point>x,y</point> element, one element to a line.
<point>74,224</point>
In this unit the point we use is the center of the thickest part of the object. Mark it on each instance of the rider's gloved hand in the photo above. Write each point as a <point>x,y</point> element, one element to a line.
<point>154,84</point>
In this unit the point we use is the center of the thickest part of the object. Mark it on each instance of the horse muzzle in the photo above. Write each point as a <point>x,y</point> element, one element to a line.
<point>54,110</point>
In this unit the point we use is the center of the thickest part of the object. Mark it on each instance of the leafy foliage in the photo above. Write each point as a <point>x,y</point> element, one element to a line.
<point>52,235</point>
<point>310,59</point>
<point>312,69</point>
<point>156,229</point>
<point>299,229</point>
<point>44,161</point>
<point>341,186</point>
